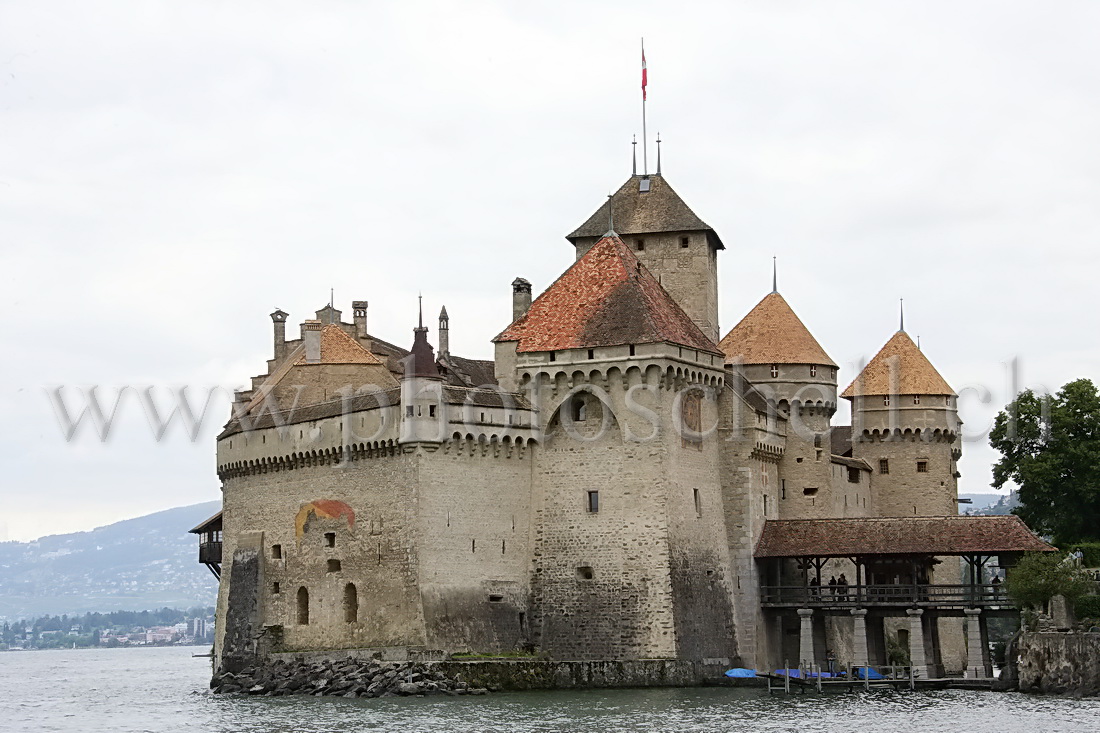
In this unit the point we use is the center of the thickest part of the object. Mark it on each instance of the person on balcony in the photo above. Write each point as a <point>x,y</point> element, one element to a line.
<point>832,586</point>
<point>842,587</point>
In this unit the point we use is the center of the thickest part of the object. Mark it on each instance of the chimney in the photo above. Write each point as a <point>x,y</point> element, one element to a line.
<point>278,319</point>
<point>521,298</point>
<point>311,338</point>
<point>444,333</point>
<point>359,311</point>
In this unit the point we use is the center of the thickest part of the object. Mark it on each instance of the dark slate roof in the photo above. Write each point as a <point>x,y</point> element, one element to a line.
<point>850,462</point>
<point>422,363</point>
<point>658,210</point>
<point>841,440</point>
<point>208,525</point>
<point>607,298</point>
<point>896,536</point>
<point>332,408</point>
<point>462,372</point>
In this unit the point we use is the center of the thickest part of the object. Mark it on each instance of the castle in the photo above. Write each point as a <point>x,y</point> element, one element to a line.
<point>622,481</point>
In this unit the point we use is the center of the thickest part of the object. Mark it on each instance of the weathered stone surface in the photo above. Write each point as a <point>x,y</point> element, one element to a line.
<point>1057,663</point>
<point>344,678</point>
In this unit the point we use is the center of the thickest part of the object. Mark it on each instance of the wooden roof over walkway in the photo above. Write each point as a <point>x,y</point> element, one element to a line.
<point>897,536</point>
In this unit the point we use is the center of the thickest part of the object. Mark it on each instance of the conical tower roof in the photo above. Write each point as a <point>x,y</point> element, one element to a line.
<point>899,368</point>
<point>771,333</point>
<point>607,298</point>
<point>638,211</point>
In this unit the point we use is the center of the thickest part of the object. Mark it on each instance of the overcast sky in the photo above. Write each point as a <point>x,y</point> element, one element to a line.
<point>172,172</point>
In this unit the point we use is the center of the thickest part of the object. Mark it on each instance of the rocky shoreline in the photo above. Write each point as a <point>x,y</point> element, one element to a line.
<point>341,678</point>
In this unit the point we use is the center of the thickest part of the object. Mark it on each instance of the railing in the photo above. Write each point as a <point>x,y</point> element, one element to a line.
<point>852,596</point>
<point>210,553</point>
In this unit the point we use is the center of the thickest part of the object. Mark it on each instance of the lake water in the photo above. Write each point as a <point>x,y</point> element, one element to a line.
<point>165,690</point>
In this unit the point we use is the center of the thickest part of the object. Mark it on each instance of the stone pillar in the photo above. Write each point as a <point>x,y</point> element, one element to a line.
<point>521,297</point>
<point>859,638</point>
<point>975,663</point>
<point>916,643</point>
<point>806,636</point>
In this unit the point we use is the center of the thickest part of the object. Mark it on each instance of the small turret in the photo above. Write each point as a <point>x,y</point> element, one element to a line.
<point>444,333</point>
<point>905,424</point>
<point>359,317</point>
<point>422,419</point>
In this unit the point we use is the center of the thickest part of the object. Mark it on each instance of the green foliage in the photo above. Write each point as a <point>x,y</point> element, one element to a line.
<point>1091,552</point>
<point>1088,607</point>
<point>1040,576</point>
<point>897,653</point>
<point>1050,448</point>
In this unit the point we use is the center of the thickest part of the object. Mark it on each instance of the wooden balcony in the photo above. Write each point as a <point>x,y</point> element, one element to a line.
<point>886,596</point>
<point>210,553</point>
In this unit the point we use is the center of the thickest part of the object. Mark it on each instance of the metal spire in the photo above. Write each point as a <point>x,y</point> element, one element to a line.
<point>658,153</point>
<point>901,313</point>
<point>610,217</point>
<point>645,140</point>
<point>420,317</point>
<point>634,168</point>
<point>775,276</point>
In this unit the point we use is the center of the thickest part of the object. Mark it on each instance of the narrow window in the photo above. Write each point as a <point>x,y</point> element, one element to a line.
<point>765,505</point>
<point>813,370</point>
<point>817,440</point>
<point>584,573</point>
<point>303,606</point>
<point>684,242</point>
<point>775,370</point>
<point>698,502</point>
<point>632,349</point>
<point>503,547</point>
<point>351,603</point>
<point>553,356</point>
<point>853,477</point>
<point>408,411</point>
<point>275,589</point>
<point>496,599</point>
<point>916,399</point>
<point>922,466</point>
<point>591,354</point>
<point>886,401</point>
<point>593,501</point>
<point>276,552</point>
<point>580,409</point>
<point>809,491</point>
<point>330,539</point>
<point>783,488</point>
<point>431,410</point>
<point>473,545</point>
<point>333,566</point>
<point>884,466</point>
<point>639,244</point>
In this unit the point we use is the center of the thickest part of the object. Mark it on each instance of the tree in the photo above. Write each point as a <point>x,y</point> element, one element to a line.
<point>1039,576</point>
<point>1050,448</point>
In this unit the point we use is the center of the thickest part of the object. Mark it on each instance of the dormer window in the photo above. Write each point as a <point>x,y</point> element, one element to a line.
<point>775,371</point>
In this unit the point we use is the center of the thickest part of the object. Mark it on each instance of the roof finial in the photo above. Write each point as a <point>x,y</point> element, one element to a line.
<point>331,297</point>
<point>610,218</point>
<point>775,276</point>
<point>918,342</point>
<point>634,167</point>
<point>420,308</point>
<point>658,153</point>
<point>901,313</point>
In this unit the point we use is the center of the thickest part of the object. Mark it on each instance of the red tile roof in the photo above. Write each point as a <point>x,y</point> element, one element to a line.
<point>771,333</point>
<point>339,348</point>
<point>900,367</point>
<point>896,536</point>
<point>607,298</point>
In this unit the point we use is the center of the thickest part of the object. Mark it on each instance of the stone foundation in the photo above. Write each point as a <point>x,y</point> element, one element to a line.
<point>1057,663</point>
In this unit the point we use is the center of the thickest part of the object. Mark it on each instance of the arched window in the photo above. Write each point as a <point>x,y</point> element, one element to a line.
<point>303,606</point>
<point>351,603</point>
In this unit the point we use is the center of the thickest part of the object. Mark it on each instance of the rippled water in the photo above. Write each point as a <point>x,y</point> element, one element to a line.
<point>164,690</point>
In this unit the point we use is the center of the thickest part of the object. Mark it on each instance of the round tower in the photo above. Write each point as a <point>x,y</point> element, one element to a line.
<point>778,355</point>
<point>905,424</point>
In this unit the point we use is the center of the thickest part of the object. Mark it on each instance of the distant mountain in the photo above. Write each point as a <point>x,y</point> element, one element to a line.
<point>991,504</point>
<point>137,564</point>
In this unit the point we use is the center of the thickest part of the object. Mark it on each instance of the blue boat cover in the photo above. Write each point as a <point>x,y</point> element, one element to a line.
<point>740,672</point>
<point>792,673</point>
<point>868,673</point>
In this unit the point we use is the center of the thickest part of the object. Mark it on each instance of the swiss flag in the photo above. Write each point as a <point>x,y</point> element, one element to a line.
<point>644,75</point>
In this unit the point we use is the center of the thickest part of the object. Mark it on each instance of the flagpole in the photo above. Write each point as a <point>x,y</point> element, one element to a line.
<point>645,138</point>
